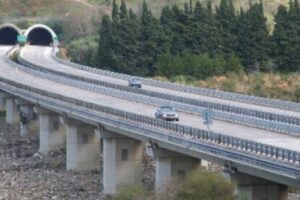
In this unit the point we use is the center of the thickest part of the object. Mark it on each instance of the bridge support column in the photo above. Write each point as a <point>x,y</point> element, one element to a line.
<point>122,162</point>
<point>26,115</point>
<point>170,164</point>
<point>253,188</point>
<point>2,101</point>
<point>83,147</point>
<point>52,133</point>
<point>11,110</point>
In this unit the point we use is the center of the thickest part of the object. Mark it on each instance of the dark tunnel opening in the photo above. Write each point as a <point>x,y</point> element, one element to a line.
<point>8,36</point>
<point>39,36</point>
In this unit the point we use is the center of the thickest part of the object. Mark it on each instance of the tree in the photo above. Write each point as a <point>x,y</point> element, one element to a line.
<point>151,42</point>
<point>280,39</point>
<point>225,14</point>
<point>253,38</point>
<point>123,9</point>
<point>285,38</point>
<point>203,31</point>
<point>105,51</point>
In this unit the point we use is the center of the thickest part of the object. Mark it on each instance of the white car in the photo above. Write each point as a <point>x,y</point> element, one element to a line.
<point>167,113</point>
<point>135,83</point>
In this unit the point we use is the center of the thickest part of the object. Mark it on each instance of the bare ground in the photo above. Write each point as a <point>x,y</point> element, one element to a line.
<point>26,174</point>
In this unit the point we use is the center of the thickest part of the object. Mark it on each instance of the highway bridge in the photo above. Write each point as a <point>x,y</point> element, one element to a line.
<point>255,139</point>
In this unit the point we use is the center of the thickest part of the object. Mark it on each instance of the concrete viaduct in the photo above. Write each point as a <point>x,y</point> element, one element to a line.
<point>256,140</point>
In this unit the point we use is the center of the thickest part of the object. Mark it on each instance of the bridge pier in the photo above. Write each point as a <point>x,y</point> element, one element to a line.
<point>83,146</point>
<point>170,164</point>
<point>26,115</point>
<point>52,133</point>
<point>2,101</point>
<point>253,188</point>
<point>11,110</point>
<point>122,162</point>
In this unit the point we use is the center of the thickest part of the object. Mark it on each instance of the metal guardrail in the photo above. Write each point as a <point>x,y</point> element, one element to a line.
<point>275,103</point>
<point>274,159</point>
<point>80,83</point>
<point>278,118</point>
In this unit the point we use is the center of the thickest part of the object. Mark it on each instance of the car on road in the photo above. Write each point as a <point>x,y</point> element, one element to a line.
<point>135,83</point>
<point>167,113</point>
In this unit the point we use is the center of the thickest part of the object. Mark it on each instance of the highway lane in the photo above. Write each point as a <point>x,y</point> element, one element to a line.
<point>250,133</point>
<point>44,58</point>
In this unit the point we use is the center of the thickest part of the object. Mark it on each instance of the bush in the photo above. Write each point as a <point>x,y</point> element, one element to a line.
<point>297,94</point>
<point>201,185</point>
<point>198,66</point>
<point>84,51</point>
<point>132,193</point>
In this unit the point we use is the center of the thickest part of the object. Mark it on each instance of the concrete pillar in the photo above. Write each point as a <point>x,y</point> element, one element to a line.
<point>253,188</point>
<point>170,164</point>
<point>2,101</point>
<point>83,147</point>
<point>11,110</point>
<point>122,162</point>
<point>52,133</point>
<point>26,114</point>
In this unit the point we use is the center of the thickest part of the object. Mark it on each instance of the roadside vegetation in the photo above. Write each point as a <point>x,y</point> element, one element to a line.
<point>170,49</point>
<point>271,85</point>
<point>199,184</point>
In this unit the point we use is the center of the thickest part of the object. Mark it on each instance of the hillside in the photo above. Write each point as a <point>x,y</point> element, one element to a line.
<point>156,5</point>
<point>42,10</point>
<point>84,15</point>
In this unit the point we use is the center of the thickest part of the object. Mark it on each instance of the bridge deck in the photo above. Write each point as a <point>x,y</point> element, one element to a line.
<point>250,133</point>
<point>43,55</point>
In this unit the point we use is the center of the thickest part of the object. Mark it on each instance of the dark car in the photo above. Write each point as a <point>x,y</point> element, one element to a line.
<point>167,113</point>
<point>135,83</point>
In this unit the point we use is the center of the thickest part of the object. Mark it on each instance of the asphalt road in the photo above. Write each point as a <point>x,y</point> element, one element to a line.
<point>42,55</point>
<point>250,133</point>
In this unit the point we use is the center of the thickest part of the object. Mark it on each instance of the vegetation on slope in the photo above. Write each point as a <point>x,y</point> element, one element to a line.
<point>67,18</point>
<point>271,85</point>
<point>199,184</point>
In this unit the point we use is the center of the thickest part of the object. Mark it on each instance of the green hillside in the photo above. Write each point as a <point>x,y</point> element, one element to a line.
<point>71,11</point>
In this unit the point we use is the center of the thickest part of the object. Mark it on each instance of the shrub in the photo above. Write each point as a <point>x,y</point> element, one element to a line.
<point>201,184</point>
<point>133,193</point>
<point>297,94</point>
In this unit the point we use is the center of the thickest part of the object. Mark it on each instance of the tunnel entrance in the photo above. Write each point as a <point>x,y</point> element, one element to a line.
<point>39,36</point>
<point>8,36</point>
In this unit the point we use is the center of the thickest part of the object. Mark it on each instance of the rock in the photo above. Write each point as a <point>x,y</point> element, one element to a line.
<point>37,155</point>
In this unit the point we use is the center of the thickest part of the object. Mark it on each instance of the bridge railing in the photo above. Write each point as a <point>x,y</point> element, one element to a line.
<point>253,153</point>
<point>191,89</point>
<point>228,142</point>
<point>222,112</point>
<point>205,104</point>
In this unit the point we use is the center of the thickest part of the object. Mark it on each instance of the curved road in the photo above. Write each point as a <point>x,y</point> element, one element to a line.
<point>250,133</point>
<point>44,57</point>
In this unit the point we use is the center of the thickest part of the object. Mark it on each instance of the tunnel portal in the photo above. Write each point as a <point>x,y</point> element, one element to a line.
<point>39,36</point>
<point>8,36</point>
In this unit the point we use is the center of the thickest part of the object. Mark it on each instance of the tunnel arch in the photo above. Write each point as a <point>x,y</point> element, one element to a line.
<point>9,34</point>
<point>40,34</point>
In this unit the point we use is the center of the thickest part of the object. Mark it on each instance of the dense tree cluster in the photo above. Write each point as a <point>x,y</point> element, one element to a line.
<point>199,40</point>
<point>286,38</point>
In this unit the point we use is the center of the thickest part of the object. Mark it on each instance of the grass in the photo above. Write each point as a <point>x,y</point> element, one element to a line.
<point>271,85</point>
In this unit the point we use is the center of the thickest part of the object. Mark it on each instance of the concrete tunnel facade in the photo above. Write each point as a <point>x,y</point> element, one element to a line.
<point>40,34</point>
<point>9,34</point>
